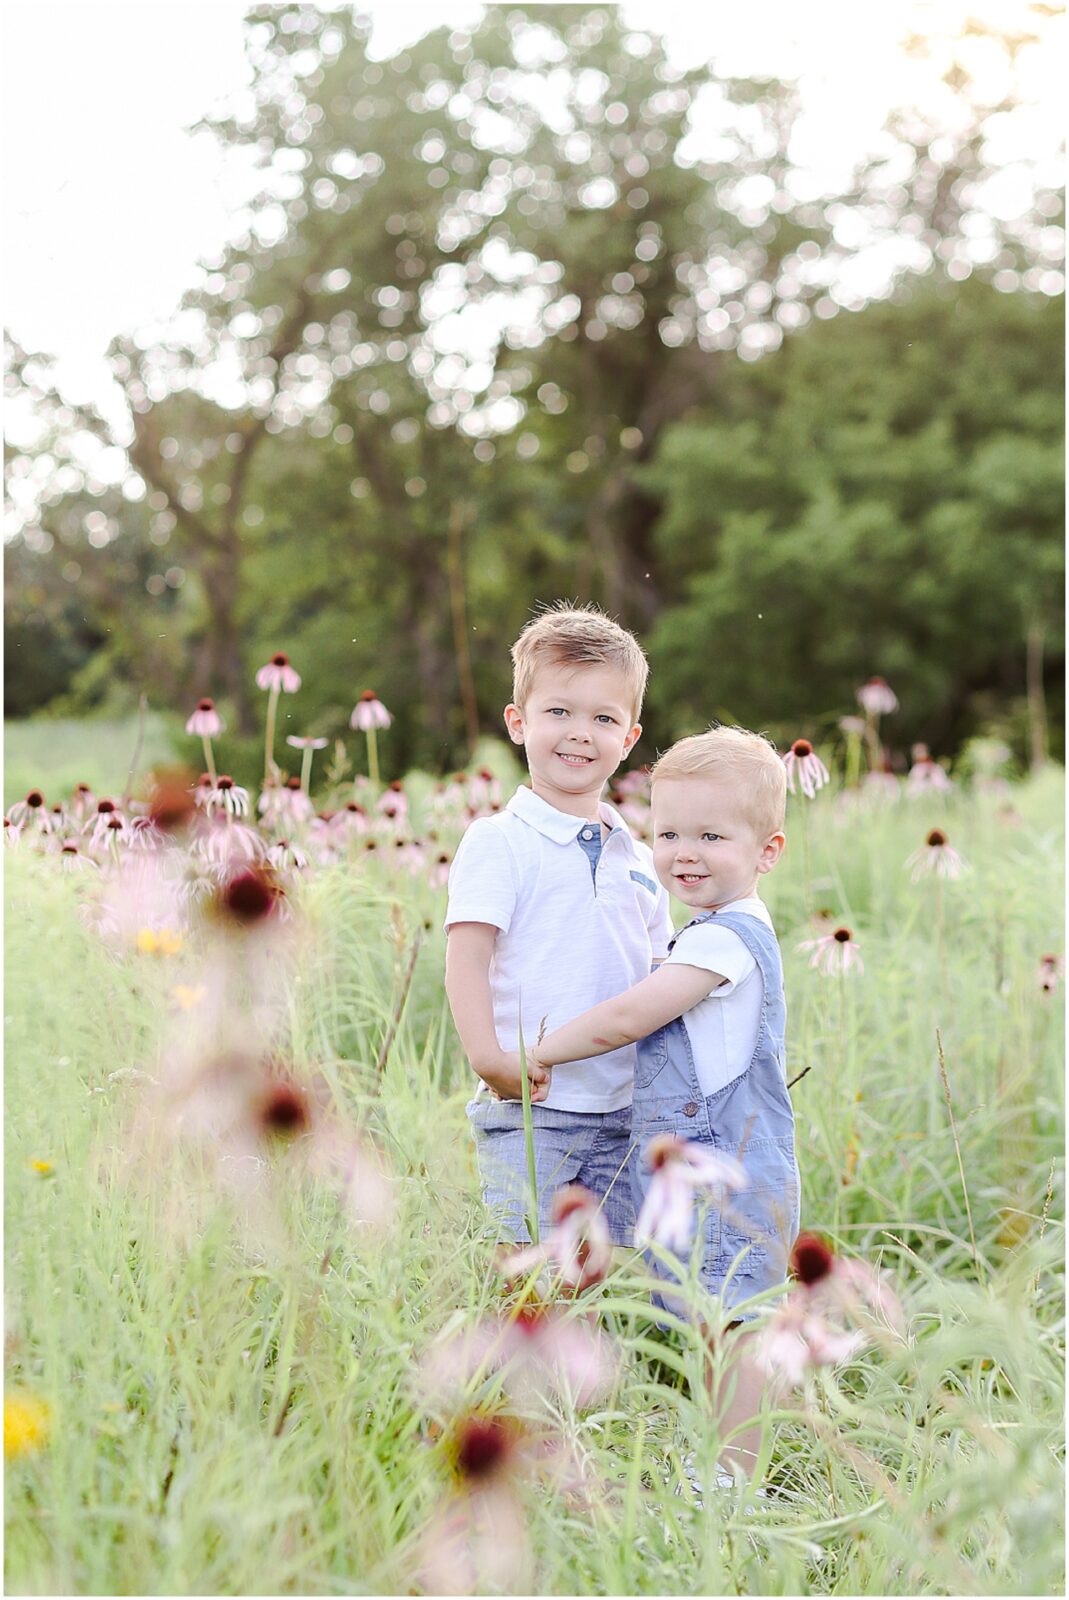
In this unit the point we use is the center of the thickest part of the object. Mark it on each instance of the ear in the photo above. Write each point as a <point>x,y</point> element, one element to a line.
<point>633,737</point>
<point>514,723</point>
<point>771,851</point>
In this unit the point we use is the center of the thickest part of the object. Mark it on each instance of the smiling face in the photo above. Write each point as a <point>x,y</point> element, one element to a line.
<point>576,726</point>
<point>706,850</point>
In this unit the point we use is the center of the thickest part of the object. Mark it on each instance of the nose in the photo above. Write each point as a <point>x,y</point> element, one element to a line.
<point>684,854</point>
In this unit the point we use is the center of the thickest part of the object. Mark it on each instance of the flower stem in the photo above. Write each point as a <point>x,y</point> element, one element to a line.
<point>528,1139</point>
<point>372,756</point>
<point>269,735</point>
<point>306,769</point>
<point>209,761</point>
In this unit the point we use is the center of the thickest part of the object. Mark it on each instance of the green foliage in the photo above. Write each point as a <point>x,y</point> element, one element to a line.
<point>884,497</point>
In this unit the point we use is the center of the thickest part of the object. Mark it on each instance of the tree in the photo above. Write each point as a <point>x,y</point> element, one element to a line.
<point>886,497</point>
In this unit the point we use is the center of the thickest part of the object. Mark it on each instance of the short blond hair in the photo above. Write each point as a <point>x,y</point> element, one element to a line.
<point>748,760</point>
<point>564,635</point>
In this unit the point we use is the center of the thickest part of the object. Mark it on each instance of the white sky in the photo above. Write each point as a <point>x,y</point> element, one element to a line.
<point>110,203</point>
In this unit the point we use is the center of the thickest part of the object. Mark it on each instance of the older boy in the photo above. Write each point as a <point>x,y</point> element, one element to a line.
<point>553,907</point>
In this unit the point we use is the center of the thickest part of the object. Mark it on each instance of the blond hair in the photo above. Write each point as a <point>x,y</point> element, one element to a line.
<point>564,635</point>
<point>748,760</point>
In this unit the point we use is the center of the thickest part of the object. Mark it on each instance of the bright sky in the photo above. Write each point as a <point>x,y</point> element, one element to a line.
<point>111,203</point>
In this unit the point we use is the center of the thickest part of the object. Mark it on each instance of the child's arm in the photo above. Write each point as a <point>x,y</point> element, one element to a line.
<point>468,953</point>
<point>664,995</point>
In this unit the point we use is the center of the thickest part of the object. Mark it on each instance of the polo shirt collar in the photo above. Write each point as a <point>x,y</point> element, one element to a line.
<point>560,826</point>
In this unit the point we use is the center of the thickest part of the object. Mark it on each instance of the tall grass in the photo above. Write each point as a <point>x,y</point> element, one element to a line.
<point>238,1409</point>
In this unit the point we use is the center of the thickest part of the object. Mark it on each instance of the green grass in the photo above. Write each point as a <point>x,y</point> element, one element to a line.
<point>227,1417</point>
<point>64,752</point>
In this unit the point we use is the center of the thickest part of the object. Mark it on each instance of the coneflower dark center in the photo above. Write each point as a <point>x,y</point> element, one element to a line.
<point>280,659</point>
<point>936,838</point>
<point>34,799</point>
<point>802,747</point>
<point>842,935</point>
<point>205,705</point>
<point>483,1447</point>
<point>811,1259</point>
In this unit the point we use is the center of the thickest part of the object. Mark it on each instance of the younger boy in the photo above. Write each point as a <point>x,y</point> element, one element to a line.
<point>710,1020</point>
<point>553,907</point>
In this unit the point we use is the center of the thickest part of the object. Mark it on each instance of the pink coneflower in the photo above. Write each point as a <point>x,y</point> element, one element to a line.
<point>205,723</point>
<point>307,744</point>
<point>807,1329</point>
<point>72,859</point>
<point>145,835</point>
<point>834,952</point>
<point>393,804</point>
<point>477,1541</point>
<point>278,675</point>
<point>228,796</point>
<point>293,802</point>
<point>483,789</point>
<point>285,855</point>
<point>32,812</point>
<point>802,761</point>
<point>409,853</point>
<point>936,857</point>
<point>549,1354</point>
<point>438,876</point>
<point>578,1244</point>
<point>224,843</point>
<point>926,775</point>
<point>172,805</point>
<point>83,802</point>
<point>1051,972</point>
<point>680,1169</point>
<point>12,832</point>
<point>877,698</point>
<point>351,818</point>
<point>369,713</point>
<point>106,822</point>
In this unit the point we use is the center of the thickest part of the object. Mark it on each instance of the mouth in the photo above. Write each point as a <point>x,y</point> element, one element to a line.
<point>691,878</point>
<point>575,761</point>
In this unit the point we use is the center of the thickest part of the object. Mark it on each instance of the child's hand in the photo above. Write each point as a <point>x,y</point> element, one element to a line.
<point>505,1078</point>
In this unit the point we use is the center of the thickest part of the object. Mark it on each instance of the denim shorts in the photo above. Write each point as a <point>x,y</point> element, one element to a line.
<point>588,1147</point>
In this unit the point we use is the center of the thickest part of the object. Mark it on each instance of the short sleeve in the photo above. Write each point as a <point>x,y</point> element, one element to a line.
<point>482,879</point>
<point>716,950</point>
<point>659,924</point>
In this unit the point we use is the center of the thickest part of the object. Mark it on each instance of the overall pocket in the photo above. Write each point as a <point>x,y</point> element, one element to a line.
<point>651,1056</point>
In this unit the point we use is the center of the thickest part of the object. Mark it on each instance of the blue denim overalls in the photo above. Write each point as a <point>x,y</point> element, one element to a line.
<point>750,1118</point>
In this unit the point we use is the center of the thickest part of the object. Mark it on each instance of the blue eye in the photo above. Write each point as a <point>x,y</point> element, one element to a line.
<point>557,711</point>
<point>667,834</point>
<point>713,836</point>
<point>603,716</point>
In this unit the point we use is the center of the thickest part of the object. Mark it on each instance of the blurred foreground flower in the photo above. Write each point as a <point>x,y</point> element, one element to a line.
<point>31,812</point>
<point>808,1328</point>
<point>936,857</point>
<point>477,1541</point>
<point>578,1243</point>
<point>926,775</point>
<point>368,716</point>
<point>26,1424</point>
<point>803,763</point>
<point>834,952</point>
<point>680,1170</point>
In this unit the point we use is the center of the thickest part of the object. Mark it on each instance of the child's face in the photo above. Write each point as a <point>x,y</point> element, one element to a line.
<point>705,850</point>
<point>576,727</point>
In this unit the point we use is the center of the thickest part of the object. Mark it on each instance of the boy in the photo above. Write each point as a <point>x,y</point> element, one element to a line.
<point>553,907</point>
<point>710,1022</point>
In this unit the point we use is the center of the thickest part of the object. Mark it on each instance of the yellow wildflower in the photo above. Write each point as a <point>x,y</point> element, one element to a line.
<point>26,1423</point>
<point>159,942</point>
<point>44,1168</point>
<point>188,995</point>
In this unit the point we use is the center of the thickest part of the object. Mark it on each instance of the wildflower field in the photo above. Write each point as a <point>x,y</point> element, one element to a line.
<point>258,1340</point>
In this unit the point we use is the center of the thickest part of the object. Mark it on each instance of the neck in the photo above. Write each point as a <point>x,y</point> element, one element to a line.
<point>740,894</point>
<point>584,806</point>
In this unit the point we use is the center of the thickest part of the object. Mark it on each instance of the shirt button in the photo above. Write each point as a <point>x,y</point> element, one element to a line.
<point>586,834</point>
<point>690,1109</point>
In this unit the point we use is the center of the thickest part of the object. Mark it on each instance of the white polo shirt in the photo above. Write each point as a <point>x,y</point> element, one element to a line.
<point>568,938</point>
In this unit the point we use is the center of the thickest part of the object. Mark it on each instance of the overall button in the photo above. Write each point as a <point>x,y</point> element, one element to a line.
<point>690,1109</point>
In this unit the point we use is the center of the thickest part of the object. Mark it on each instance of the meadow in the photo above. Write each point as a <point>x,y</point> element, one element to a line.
<point>244,1357</point>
